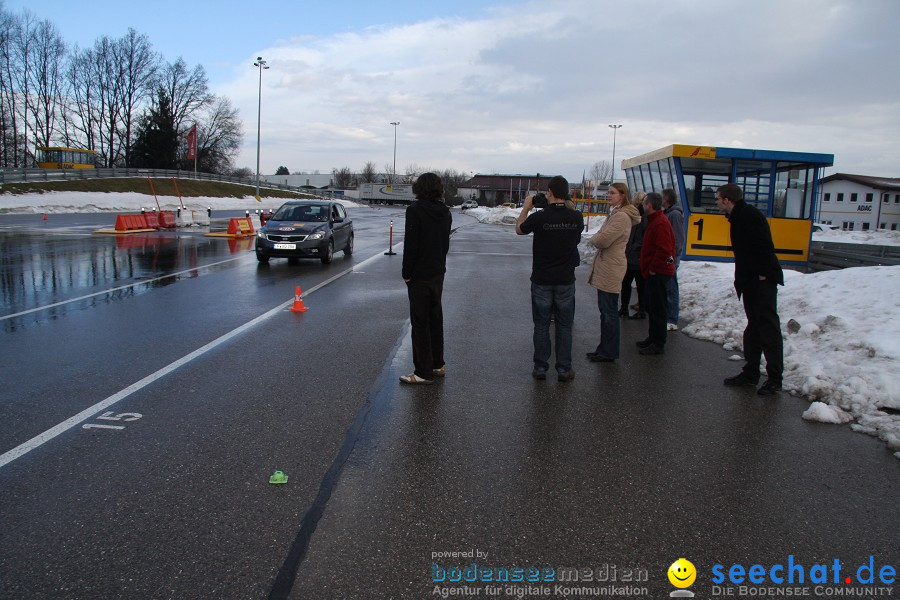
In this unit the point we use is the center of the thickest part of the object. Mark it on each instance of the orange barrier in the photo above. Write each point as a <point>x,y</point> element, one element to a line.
<point>152,219</point>
<point>167,219</point>
<point>240,226</point>
<point>130,222</point>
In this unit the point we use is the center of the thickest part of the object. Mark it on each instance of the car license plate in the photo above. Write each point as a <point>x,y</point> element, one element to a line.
<point>285,246</point>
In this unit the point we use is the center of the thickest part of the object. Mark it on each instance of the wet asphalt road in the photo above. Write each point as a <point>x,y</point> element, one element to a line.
<point>631,466</point>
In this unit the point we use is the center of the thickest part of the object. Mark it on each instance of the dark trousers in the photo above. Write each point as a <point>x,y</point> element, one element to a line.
<point>609,325</point>
<point>427,317</point>
<point>655,290</point>
<point>557,301</point>
<point>633,275</point>
<point>763,332</point>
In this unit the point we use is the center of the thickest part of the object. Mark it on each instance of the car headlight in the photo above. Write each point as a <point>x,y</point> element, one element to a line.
<point>317,235</point>
<point>261,235</point>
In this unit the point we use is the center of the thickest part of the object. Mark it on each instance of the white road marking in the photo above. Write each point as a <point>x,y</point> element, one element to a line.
<point>87,413</point>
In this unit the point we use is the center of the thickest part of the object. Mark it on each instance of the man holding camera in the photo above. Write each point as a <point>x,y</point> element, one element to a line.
<point>557,232</point>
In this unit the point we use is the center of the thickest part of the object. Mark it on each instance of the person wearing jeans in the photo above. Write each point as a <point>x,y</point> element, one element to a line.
<point>557,232</point>
<point>609,267</point>
<point>676,217</point>
<point>556,302</point>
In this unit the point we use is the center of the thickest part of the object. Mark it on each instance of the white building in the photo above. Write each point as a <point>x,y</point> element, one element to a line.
<point>309,180</point>
<point>860,202</point>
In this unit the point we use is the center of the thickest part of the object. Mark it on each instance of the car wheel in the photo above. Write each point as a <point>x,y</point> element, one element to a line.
<point>329,253</point>
<point>262,257</point>
<point>349,249</point>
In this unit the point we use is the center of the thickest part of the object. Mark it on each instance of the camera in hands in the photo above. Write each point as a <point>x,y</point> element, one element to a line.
<point>540,201</point>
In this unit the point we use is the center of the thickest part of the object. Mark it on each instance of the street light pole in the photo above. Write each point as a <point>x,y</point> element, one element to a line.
<point>261,64</point>
<point>395,123</point>
<point>615,128</point>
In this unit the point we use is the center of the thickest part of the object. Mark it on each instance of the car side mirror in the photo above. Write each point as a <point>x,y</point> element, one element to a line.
<point>337,220</point>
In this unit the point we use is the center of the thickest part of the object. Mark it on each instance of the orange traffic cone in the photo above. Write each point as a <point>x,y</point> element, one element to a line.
<point>298,302</point>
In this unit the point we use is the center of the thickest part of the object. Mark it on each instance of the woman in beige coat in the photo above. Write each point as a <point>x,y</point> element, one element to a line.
<point>609,268</point>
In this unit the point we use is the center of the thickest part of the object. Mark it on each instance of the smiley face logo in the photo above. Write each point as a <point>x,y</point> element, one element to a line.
<point>682,573</point>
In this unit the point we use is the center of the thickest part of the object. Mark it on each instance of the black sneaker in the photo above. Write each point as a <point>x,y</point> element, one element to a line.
<point>637,315</point>
<point>769,388</point>
<point>623,312</point>
<point>566,376</point>
<point>644,343</point>
<point>601,358</point>
<point>539,375</point>
<point>652,349</point>
<point>741,379</point>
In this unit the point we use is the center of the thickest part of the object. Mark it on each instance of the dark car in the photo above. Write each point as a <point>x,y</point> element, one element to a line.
<point>306,229</point>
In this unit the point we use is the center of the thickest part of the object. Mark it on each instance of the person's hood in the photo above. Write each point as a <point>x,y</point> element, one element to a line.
<point>633,213</point>
<point>434,209</point>
<point>674,207</point>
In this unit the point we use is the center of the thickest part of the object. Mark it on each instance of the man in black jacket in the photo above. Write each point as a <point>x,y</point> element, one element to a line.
<point>425,246</point>
<point>757,273</point>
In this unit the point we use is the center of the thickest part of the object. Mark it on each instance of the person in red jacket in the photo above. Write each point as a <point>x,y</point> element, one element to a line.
<point>657,268</point>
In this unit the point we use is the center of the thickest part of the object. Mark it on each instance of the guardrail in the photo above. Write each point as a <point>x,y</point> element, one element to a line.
<point>27,175</point>
<point>824,256</point>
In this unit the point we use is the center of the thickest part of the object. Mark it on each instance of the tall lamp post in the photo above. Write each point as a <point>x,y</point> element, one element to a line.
<point>394,173</point>
<point>614,128</point>
<point>261,64</point>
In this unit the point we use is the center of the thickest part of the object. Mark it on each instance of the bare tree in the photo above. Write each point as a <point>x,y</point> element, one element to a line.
<point>9,124</point>
<point>368,173</point>
<point>601,172</point>
<point>453,180</point>
<point>23,49</point>
<point>220,133</point>
<point>45,66</point>
<point>188,89</point>
<point>412,173</point>
<point>389,174</point>
<point>343,177</point>
<point>140,64</point>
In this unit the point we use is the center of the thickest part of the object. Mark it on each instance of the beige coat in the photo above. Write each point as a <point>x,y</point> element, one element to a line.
<point>609,266</point>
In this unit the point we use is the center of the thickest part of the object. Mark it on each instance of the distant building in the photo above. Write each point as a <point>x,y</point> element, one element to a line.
<point>493,190</point>
<point>319,181</point>
<point>860,202</point>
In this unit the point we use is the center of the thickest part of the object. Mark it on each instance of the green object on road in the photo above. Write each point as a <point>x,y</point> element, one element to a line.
<point>278,477</point>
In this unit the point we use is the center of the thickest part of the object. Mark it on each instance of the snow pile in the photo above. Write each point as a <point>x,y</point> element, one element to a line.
<point>840,345</point>
<point>876,238</point>
<point>82,202</point>
<point>826,413</point>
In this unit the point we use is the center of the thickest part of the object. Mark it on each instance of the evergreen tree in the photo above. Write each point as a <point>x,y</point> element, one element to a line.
<point>282,171</point>
<point>156,140</point>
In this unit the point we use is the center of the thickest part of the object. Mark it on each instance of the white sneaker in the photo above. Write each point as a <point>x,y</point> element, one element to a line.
<point>671,327</point>
<point>414,379</point>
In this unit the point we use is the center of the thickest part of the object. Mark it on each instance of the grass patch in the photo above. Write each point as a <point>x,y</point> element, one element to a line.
<point>189,188</point>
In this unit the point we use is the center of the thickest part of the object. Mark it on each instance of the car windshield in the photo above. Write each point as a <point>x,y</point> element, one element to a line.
<point>306,212</point>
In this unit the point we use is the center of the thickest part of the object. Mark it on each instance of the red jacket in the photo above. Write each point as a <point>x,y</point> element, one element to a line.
<point>658,251</point>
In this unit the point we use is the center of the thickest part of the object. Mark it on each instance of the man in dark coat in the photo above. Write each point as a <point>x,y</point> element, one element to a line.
<point>657,268</point>
<point>425,245</point>
<point>757,274</point>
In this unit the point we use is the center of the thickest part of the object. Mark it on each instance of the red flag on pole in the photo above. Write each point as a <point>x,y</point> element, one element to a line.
<point>192,143</point>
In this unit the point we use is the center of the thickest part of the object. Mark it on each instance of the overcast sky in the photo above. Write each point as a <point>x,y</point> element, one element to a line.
<point>527,87</point>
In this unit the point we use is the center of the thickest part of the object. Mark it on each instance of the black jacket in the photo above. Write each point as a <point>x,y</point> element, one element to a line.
<point>754,252</point>
<point>427,239</point>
